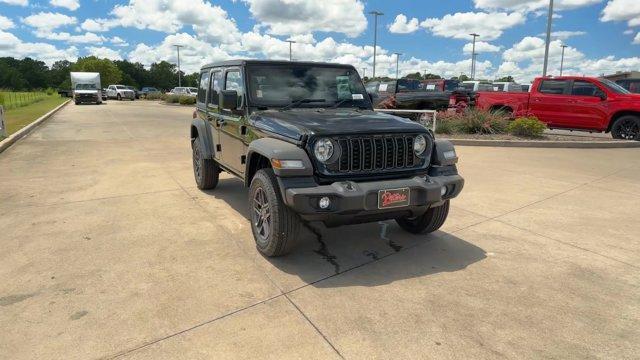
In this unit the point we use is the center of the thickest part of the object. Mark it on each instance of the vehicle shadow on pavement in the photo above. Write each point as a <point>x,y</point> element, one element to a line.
<point>371,254</point>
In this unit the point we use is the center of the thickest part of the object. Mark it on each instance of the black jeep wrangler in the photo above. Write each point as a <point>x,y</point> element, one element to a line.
<point>306,141</point>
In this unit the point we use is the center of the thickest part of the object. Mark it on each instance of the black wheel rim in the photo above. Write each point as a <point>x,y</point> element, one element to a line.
<point>197,168</point>
<point>261,215</point>
<point>629,129</point>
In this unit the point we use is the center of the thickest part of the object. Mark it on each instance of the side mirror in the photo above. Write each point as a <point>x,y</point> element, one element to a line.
<point>228,99</point>
<point>602,95</point>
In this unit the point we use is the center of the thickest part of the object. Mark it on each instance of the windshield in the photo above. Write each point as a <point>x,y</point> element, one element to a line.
<point>613,86</point>
<point>468,86</point>
<point>276,85</point>
<point>450,85</point>
<point>193,90</point>
<point>86,87</point>
<point>409,85</point>
<point>120,87</point>
<point>130,88</point>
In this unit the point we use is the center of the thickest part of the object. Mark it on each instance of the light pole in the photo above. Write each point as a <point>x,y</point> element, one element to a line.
<point>425,74</point>
<point>546,45</point>
<point>178,48</point>
<point>290,42</point>
<point>473,56</point>
<point>375,38</point>
<point>562,58</point>
<point>397,54</point>
<point>364,72</point>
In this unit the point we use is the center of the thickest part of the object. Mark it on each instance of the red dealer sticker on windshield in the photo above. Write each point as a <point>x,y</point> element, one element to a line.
<point>393,198</point>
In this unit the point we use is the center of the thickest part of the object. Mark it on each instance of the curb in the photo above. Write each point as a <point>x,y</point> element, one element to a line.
<point>549,144</point>
<point>4,144</point>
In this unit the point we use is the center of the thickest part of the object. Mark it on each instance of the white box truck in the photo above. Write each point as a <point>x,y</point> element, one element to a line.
<point>86,87</point>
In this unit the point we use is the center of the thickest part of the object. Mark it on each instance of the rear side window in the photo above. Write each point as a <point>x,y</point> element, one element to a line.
<point>204,85</point>
<point>234,82</point>
<point>552,87</point>
<point>214,87</point>
<point>584,88</point>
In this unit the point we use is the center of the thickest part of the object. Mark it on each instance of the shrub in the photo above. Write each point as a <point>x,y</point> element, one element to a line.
<point>1,98</point>
<point>187,100</point>
<point>50,91</point>
<point>172,99</point>
<point>155,96</point>
<point>472,121</point>
<point>527,126</point>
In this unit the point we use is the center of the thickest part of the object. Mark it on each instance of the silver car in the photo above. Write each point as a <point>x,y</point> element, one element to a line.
<point>120,92</point>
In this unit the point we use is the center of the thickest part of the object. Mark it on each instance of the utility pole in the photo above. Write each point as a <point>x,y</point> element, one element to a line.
<point>425,74</point>
<point>375,38</point>
<point>290,42</point>
<point>397,54</point>
<point>473,56</point>
<point>562,58</point>
<point>178,48</point>
<point>546,45</point>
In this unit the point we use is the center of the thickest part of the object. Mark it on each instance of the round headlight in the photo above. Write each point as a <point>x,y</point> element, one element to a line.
<point>419,145</point>
<point>323,149</point>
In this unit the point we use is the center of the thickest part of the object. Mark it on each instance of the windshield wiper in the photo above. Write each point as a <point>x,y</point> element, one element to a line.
<point>336,105</point>
<point>300,102</point>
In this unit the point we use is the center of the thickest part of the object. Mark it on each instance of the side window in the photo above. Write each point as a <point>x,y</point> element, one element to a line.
<point>214,88</point>
<point>233,81</point>
<point>552,87</point>
<point>204,85</point>
<point>584,88</point>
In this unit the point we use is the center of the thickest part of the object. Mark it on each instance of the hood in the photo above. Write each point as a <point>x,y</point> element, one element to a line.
<point>85,91</point>
<point>633,97</point>
<point>298,122</point>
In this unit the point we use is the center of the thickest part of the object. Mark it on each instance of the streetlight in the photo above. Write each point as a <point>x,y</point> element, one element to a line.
<point>546,45</point>
<point>375,38</point>
<point>178,48</point>
<point>290,42</point>
<point>397,54</point>
<point>425,74</point>
<point>562,58</point>
<point>473,56</point>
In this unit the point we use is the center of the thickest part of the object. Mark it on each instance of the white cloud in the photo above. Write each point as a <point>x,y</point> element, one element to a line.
<point>118,41</point>
<point>86,38</point>
<point>16,2</point>
<point>11,46</point>
<point>193,55</point>
<point>532,49</point>
<point>401,25</point>
<point>636,40</point>
<point>481,47</point>
<point>72,5</point>
<point>98,25</point>
<point>531,5</point>
<point>303,38</point>
<point>565,34</point>
<point>290,17</point>
<point>104,52</point>
<point>622,10</point>
<point>6,23</point>
<point>459,25</point>
<point>48,21</point>
<point>628,32</point>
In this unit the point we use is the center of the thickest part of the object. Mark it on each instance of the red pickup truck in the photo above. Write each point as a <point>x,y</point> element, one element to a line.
<point>570,102</point>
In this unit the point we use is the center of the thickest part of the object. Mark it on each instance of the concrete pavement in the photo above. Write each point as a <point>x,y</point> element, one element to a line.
<point>109,250</point>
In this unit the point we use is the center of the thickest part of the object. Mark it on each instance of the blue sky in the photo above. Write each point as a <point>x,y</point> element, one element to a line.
<point>603,35</point>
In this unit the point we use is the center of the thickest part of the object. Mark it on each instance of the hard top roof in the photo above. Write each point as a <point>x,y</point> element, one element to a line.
<point>242,62</point>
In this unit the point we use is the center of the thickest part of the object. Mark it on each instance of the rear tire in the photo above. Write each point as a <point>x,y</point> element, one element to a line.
<point>205,171</point>
<point>626,128</point>
<point>428,222</point>
<point>274,225</point>
<point>119,97</point>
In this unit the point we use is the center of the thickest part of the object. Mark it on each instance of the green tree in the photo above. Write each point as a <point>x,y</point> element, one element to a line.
<point>133,73</point>
<point>432,76</point>
<point>464,77</point>
<point>109,72</point>
<point>414,76</point>
<point>163,75</point>
<point>191,80</point>
<point>59,74</point>
<point>506,79</point>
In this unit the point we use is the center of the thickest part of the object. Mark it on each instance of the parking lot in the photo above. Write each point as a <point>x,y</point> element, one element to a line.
<point>110,250</point>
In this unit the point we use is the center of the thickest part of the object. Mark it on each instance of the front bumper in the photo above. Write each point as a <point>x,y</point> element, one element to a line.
<point>127,95</point>
<point>355,202</point>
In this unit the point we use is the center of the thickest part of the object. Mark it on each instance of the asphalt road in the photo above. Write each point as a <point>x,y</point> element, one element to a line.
<point>109,250</point>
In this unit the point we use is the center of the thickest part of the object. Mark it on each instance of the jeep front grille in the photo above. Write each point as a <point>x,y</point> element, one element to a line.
<point>376,153</point>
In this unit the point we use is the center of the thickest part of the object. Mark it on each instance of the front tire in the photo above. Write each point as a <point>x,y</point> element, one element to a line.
<point>626,128</point>
<point>274,225</point>
<point>428,222</point>
<point>205,171</point>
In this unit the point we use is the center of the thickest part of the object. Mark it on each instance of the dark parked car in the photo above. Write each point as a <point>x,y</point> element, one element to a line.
<point>463,97</point>
<point>149,90</point>
<point>633,85</point>
<point>305,139</point>
<point>408,94</point>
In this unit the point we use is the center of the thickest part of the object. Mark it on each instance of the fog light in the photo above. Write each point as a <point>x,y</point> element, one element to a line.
<point>443,191</point>
<point>324,202</point>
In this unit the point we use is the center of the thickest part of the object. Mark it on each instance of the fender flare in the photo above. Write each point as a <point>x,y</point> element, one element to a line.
<point>270,149</point>
<point>204,137</point>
